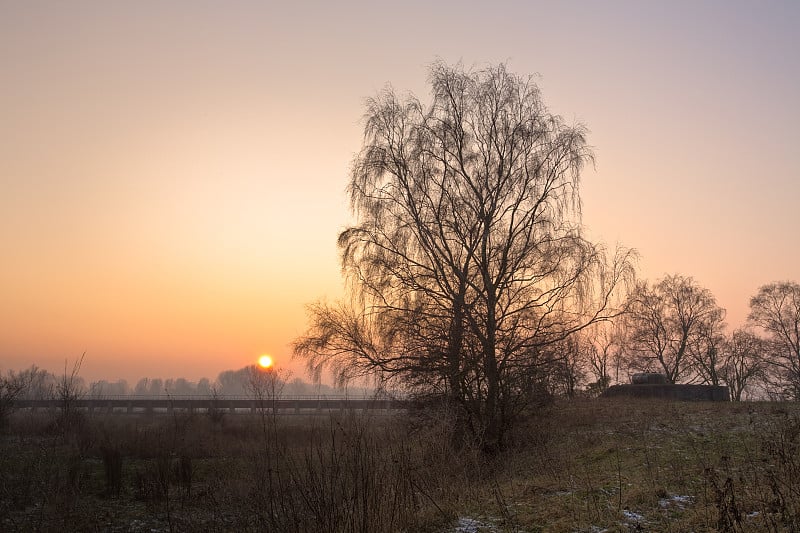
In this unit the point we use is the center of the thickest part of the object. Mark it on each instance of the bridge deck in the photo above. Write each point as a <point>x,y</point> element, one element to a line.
<point>133,404</point>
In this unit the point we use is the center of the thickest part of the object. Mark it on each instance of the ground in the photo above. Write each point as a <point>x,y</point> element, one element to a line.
<point>576,466</point>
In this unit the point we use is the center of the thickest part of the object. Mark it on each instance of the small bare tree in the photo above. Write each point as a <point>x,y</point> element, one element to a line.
<point>13,385</point>
<point>564,365</point>
<point>669,322</point>
<point>265,384</point>
<point>604,344</point>
<point>41,383</point>
<point>706,348</point>
<point>776,310</point>
<point>69,389</point>
<point>743,356</point>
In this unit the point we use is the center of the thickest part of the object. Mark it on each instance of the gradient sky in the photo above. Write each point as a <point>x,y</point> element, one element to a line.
<point>172,174</point>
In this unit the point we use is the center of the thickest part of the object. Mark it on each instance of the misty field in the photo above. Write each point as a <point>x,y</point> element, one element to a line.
<point>584,465</point>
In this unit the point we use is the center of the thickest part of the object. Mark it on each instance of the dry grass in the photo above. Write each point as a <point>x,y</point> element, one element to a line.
<point>580,466</point>
<point>654,466</point>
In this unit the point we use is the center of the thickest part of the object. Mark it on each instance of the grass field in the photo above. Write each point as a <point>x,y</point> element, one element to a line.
<point>591,466</point>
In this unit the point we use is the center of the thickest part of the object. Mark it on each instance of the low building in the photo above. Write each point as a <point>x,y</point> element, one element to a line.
<point>652,385</point>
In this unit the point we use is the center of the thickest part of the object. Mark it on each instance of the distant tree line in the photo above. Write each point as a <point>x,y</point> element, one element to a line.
<point>675,327</point>
<point>36,383</point>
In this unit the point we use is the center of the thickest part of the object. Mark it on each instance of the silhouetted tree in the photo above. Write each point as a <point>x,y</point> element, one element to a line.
<point>183,387</point>
<point>668,322</point>
<point>142,387</point>
<point>265,385</point>
<point>467,257</point>
<point>706,348</point>
<point>13,385</point>
<point>603,346</point>
<point>156,387</point>
<point>566,368</point>
<point>743,361</point>
<point>70,388</point>
<point>233,382</point>
<point>203,387</point>
<point>40,383</point>
<point>776,310</point>
<point>103,387</point>
<point>298,387</point>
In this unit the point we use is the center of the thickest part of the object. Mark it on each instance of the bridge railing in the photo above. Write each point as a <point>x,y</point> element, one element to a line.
<point>225,397</point>
<point>296,403</point>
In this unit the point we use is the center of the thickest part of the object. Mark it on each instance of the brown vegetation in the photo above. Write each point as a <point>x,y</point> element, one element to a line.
<point>580,466</point>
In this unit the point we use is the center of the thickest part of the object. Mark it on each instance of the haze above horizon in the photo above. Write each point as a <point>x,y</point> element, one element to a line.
<point>172,177</point>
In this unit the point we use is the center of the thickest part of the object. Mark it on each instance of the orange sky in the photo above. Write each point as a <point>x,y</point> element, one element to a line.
<point>172,178</point>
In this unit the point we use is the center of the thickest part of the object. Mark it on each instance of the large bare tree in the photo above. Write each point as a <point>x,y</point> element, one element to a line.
<point>776,310</point>
<point>467,258</point>
<point>673,326</point>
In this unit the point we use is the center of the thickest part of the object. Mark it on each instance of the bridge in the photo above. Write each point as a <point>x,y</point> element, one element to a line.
<point>230,404</point>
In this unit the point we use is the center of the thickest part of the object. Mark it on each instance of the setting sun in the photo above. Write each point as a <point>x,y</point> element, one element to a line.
<point>265,361</point>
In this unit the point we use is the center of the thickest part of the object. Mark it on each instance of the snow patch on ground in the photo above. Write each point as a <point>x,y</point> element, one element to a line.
<point>630,515</point>
<point>677,501</point>
<point>470,525</point>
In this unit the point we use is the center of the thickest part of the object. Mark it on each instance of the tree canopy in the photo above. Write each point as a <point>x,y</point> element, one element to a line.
<point>468,258</point>
<point>776,310</point>
<point>674,326</point>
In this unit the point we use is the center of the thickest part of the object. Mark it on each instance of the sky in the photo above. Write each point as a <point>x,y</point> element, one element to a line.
<point>172,174</point>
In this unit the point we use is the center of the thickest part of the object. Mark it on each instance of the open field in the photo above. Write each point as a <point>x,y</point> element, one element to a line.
<point>588,466</point>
